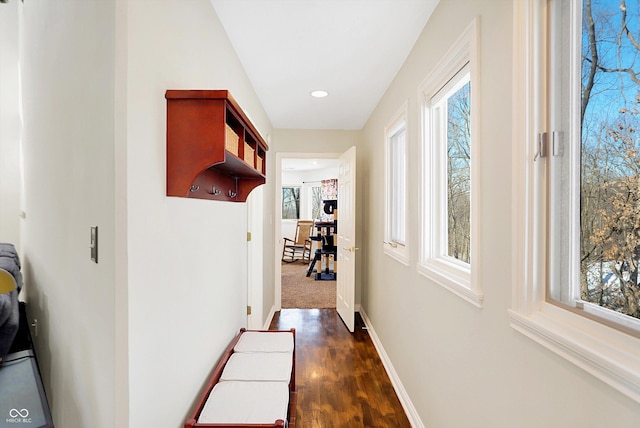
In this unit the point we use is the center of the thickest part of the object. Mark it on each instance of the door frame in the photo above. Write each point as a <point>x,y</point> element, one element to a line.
<point>278,215</point>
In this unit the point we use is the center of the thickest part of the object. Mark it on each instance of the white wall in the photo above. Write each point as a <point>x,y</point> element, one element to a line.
<point>463,366</point>
<point>131,340</point>
<point>67,64</point>
<point>187,258</point>
<point>10,183</point>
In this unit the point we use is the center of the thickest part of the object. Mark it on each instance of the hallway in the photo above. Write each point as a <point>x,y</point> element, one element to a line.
<point>340,378</point>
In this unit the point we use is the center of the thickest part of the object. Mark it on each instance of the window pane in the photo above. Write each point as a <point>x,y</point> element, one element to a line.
<point>594,247</point>
<point>397,160</point>
<point>610,191</point>
<point>291,203</point>
<point>316,202</point>
<point>459,174</point>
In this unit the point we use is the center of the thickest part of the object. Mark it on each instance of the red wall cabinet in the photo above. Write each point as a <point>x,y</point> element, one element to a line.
<point>213,149</point>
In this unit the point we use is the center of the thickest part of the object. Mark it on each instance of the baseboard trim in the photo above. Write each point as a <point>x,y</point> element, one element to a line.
<point>405,401</point>
<point>272,313</point>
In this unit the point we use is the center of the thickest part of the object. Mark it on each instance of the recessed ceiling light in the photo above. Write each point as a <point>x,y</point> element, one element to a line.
<point>319,94</point>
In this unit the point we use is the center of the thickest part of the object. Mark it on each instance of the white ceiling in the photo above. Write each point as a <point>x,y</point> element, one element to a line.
<point>350,48</point>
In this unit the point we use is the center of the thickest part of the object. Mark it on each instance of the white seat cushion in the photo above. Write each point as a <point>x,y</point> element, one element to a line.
<point>246,403</point>
<point>256,341</point>
<point>266,366</point>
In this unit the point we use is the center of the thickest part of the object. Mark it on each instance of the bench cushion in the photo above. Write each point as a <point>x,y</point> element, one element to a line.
<point>256,341</point>
<point>246,403</point>
<point>270,366</point>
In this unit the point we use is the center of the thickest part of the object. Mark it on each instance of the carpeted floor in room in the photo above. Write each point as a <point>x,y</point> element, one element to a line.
<point>301,292</point>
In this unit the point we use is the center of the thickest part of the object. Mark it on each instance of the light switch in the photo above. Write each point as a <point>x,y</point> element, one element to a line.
<point>94,243</point>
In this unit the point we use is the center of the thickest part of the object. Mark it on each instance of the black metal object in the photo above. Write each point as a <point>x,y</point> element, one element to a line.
<point>330,206</point>
<point>327,249</point>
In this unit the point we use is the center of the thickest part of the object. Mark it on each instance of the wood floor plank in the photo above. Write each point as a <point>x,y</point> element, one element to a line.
<point>340,378</point>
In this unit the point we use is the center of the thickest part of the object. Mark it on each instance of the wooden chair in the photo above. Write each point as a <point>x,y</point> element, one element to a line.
<point>300,247</point>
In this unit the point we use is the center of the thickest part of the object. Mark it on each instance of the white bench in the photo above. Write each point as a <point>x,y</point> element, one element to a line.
<point>253,384</point>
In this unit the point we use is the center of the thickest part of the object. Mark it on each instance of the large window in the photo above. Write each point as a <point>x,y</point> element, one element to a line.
<point>396,188</point>
<point>577,184</point>
<point>450,205</point>
<point>594,160</point>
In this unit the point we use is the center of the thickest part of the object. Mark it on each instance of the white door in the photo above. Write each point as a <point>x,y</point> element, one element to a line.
<point>346,278</point>
<point>255,284</point>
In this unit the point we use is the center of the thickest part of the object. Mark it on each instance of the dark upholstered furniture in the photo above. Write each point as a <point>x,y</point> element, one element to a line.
<point>9,307</point>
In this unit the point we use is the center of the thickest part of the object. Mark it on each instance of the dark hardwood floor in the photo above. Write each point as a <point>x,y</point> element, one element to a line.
<point>340,378</point>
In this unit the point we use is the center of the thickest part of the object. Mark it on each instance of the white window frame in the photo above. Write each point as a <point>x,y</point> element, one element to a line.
<point>462,279</point>
<point>603,351</point>
<point>395,248</point>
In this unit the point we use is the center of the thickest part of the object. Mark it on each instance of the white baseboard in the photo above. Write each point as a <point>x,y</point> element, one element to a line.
<point>406,402</point>
<point>267,323</point>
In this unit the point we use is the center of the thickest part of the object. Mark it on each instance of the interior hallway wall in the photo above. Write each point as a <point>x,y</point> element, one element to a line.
<point>10,182</point>
<point>187,257</point>
<point>150,328</point>
<point>67,69</point>
<point>463,366</point>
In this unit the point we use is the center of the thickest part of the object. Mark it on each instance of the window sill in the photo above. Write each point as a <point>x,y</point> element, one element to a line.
<point>455,278</point>
<point>606,353</point>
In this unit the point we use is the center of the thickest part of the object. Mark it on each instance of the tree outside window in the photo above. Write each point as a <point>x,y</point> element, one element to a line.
<point>459,174</point>
<point>291,203</point>
<point>610,156</point>
<point>316,202</point>
<point>451,118</point>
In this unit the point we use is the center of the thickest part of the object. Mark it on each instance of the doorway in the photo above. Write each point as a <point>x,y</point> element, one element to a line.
<point>299,185</point>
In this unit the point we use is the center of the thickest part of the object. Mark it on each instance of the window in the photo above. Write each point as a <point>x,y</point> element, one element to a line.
<point>291,203</point>
<point>595,256</point>
<point>452,111</point>
<point>450,208</point>
<point>577,240</point>
<point>395,243</point>
<point>316,201</point>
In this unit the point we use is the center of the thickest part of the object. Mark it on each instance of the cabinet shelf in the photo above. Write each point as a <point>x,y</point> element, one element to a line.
<point>213,149</point>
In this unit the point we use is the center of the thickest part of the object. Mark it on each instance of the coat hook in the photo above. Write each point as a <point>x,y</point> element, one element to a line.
<point>232,194</point>
<point>194,188</point>
<point>214,191</point>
